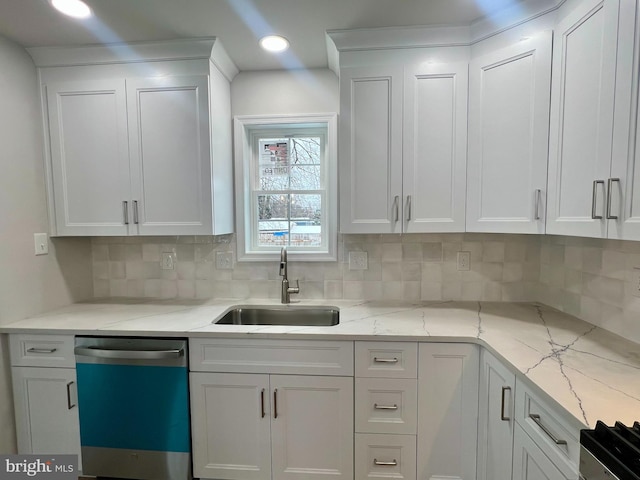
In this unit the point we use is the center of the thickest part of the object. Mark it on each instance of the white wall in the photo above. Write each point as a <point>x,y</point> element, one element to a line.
<point>28,284</point>
<point>275,92</point>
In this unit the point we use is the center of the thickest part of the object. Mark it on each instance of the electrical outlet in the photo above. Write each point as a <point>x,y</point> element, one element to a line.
<point>224,260</point>
<point>358,261</point>
<point>464,261</point>
<point>41,243</point>
<point>636,282</point>
<point>168,261</point>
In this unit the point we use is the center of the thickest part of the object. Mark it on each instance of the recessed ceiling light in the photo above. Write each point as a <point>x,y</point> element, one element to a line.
<point>73,8</point>
<point>274,43</point>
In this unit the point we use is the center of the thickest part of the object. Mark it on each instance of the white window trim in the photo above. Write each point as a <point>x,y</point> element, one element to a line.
<point>243,126</point>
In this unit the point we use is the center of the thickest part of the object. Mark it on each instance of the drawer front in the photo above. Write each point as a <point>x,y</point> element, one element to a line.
<point>387,359</point>
<point>304,357</point>
<point>42,350</point>
<point>385,456</point>
<point>554,431</point>
<point>386,405</point>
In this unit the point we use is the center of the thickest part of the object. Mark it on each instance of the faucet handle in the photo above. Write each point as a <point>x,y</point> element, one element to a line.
<point>295,289</point>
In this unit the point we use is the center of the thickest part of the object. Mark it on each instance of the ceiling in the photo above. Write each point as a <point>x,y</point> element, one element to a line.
<point>237,23</point>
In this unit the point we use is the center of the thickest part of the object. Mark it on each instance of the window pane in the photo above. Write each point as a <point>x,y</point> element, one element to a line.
<point>306,219</point>
<point>305,177</point>
<point>305,150</point>
<point>273,220</point>
<point>273,164</point>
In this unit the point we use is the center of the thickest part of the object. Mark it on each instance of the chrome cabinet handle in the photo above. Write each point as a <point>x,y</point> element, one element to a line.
<point>536,418</point>
<point>385,360</point>
<point>69,406</point>
<point>262,403</point>
<point>41,350</point>
<point>536,214</point>
<point>396,208</point>
<point>504,417</point>
<point>609,189</point>
<point>385,407</point>
<point>135,212</point>
<point>125,212</point>
<point>275,403</point>
<point>385,464</point>
<point>594,199</point>
<point>408,208</point>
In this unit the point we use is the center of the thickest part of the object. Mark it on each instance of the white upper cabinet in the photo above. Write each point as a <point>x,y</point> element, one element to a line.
<point>132,147</point>
<point>582,107</point>
<point>509,94</point>
<point>434,148</point>
<point>89,156</point>
<point>169,148</point>
<point>403,148</point>
<point>623,215</point>
<point>370,150</point>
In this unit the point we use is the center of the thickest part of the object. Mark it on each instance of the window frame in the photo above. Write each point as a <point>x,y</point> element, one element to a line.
<point>246,127</point>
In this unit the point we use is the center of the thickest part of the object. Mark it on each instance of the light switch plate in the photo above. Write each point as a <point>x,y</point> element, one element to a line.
<point>636,282</point>
<point>41,243</point>
<point>168,261</point>
<point>224,260</point>
<point>464,261</point>
<point>358,261</point>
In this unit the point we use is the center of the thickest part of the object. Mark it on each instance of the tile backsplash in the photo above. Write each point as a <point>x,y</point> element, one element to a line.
<point>400,267</point>
<point>592,279</point>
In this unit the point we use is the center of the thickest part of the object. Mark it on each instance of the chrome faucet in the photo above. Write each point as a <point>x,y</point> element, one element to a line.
<point>285,295</point>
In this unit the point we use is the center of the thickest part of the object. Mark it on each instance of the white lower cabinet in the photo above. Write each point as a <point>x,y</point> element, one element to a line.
<point>530,462</point>
<point>447,411</point>
<point>385,456</point>
<point>496,419</point>
<point>259,426</point>
<point>45,394</point>
<point>274,417</point>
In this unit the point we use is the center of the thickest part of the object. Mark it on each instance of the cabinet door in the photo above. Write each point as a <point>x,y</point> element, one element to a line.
<point>508,138</point>
<point>582,100</point>
<point>170,155</point>
<point>370,150</point>
<point>447,411</point>
<point>46,410</point>
<point>230,426</point>
<point>529,463</point>
<point>312,427</point>
<point>435,148</point>
<point>496,419</point>
<point>89,157</point>
<point>624,197</point>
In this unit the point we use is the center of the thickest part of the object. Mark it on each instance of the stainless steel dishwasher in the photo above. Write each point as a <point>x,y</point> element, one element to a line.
<point>133,402</point>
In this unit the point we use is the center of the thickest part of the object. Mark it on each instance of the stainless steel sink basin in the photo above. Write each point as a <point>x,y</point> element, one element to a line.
<point>295,316</point>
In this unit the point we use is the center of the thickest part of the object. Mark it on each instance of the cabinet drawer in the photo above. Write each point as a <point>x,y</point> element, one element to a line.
<point>42,350</point>
<point>385,456</point>
<point>554,431</point>
<point>308,357</point>
<point>387,359</point>
<point>386,405</point>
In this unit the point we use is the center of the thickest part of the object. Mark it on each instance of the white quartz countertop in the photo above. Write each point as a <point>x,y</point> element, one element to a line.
<point>592,373</point>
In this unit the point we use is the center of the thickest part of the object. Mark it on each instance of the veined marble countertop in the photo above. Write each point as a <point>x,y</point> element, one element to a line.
<point>592,373</point>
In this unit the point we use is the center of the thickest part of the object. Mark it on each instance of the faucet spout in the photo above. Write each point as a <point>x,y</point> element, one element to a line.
<point>283,263</point>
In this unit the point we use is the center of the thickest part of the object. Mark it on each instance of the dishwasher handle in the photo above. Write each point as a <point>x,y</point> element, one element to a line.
<point>129,354</point>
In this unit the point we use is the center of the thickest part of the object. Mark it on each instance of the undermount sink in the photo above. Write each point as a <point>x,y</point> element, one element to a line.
<point>296,316</point>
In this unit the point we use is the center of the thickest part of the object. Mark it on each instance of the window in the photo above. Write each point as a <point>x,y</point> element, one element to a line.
<point>286,186</point>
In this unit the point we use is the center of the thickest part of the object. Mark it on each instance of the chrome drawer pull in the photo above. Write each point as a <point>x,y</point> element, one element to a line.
<point>609,189</point>
<point>504,417</point>
<point>262,403</point>
<point>385,407</point>
<point>385,464</point>
<point>385,360</point>
<point>536,418</point>
<point>42,350</point>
